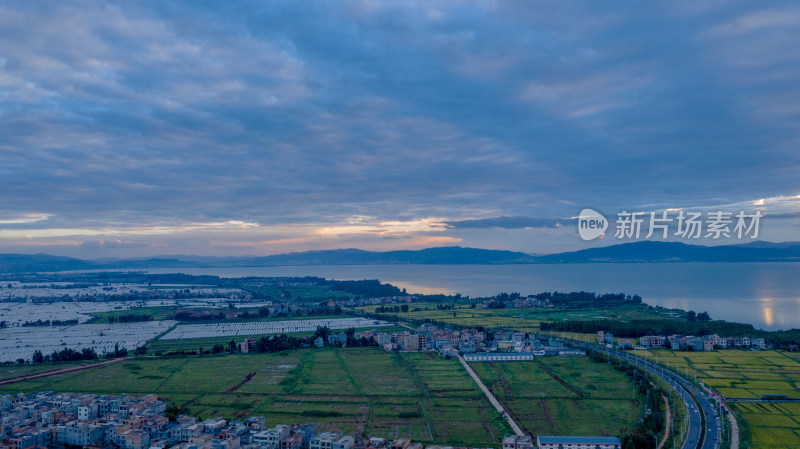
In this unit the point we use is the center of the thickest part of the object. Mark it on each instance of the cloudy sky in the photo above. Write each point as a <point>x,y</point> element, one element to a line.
<point>227,128</point>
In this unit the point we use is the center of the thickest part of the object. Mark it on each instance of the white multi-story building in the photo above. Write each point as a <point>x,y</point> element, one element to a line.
<point>272,437</point>
<point>323,440</point>
<point>344,442</point>
<point>88,411</point>
<point>546,442</point>
<point>498,356</point>
<point>517,442</point>
<point>80,434</point>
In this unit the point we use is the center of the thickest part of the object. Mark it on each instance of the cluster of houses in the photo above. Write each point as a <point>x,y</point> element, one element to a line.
<point>683,342</point>
<point>359,302</point>
<point>519,303</point>
<point>121,292</point>
<point>49,419</point>
<point>474,343</point>
<point>46,418</point>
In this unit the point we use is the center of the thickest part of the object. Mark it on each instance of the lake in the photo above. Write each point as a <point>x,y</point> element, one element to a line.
<point>766,295</point>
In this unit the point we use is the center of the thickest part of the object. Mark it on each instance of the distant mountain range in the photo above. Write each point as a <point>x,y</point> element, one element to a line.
<point>680,252</point>
<point>636,252</point>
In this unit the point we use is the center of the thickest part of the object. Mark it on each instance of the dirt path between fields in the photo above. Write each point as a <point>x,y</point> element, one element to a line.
<point>734,427</point>
<point>12,380</point>
<point>490,396</point>
<point>669,423</point>
<point>242,382</point>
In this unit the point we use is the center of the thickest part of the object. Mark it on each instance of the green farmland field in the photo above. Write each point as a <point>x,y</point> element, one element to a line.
<point>738,374</point>
<point>9,371</point>
<point>165,312</point>
<point>531,317</point>
<point>563,395</point>
<point>772,426</point>
<point>748,374</point>
<point>362,391</point>
<point>367,391</point>
<point>742,374</point>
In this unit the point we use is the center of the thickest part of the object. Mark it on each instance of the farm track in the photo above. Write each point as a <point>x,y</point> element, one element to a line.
<point>370,416</point>
<point>177,368</point>
<point>242,382</point>
<point>12,380</point>
<point>503,381</point>
<point>490,396</point>
<point>560,380</point>
<point>547,416</point>
<point>414,375</point>
<point>667,424</point>
<point>486,423</point>
<point>428,421</point>
<point>348,375</point>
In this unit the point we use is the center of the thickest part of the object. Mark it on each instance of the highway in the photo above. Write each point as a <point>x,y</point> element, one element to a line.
<point>698,406</point>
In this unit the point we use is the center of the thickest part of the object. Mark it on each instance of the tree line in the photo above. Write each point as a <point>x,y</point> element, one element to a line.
<point>278,343</point>
<point>72,355</point>
<point>392,309</point>
<point>588,299</point>
<point>49,323</point>
<point>129,318</point>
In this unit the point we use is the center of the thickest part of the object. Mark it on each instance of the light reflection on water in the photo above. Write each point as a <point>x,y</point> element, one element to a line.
<point>766,307</point>
<point>766,295</point>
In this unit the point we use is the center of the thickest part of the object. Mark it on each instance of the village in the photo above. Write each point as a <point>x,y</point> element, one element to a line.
<point>686,342</point>
<point>475,344</point>
<point>49,419</point>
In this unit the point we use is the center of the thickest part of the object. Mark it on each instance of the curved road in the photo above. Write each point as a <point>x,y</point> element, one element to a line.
<point>699,406</point>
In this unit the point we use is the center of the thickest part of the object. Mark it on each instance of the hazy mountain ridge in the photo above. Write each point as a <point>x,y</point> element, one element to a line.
<point>16,263</point>
<point>636,252</point>
<point>680,252</point>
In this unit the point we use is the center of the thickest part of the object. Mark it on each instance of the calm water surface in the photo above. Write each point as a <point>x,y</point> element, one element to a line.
<point>766,295</point>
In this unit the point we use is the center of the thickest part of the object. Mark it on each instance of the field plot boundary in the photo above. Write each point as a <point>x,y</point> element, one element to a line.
<point>384,393</point>
<point>245,328</point>
<point>497,405</point>
<point>535,394</point>
<point>73,369</point>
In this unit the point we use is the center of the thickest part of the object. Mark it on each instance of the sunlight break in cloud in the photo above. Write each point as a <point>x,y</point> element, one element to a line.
<point>25,219</point>
<point>388,227</point>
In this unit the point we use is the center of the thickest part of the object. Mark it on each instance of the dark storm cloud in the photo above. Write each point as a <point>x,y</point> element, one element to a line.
<point>160,113</point>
